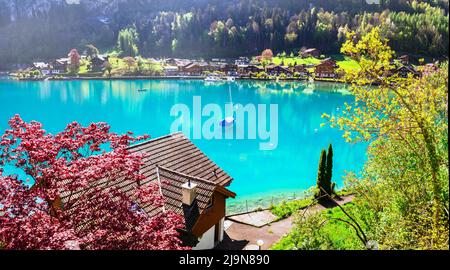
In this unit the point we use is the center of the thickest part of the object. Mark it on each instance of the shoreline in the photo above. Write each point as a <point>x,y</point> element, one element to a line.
<point>262,201</point>
<point>127,78</point>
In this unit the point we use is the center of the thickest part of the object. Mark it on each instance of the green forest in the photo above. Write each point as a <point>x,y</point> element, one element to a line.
<point>214,28</point>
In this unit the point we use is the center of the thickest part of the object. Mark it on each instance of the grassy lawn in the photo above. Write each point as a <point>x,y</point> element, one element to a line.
<point>342,61</point>
<point>119,67</point>
<point>322,231</point>
<point>287,208</point>
<point>296,60</point>
<point>348,64</point>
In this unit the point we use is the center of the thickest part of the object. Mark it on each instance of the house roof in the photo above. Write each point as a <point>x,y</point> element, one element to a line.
<point>408,68</point>
<point>171,181</point>
<point>61,61</point>
<point>101,57</point>
<point>177,153</point>
<point>171,161</point>
<point>310,50</point>
<point>40,65</point>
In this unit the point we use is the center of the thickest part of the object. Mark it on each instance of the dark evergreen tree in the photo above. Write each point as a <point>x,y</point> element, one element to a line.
<point>329,177</point>
<point>325,174</point>
<point>321,175</point>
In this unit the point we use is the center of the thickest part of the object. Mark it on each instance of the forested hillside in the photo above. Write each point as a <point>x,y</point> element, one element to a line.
<point>42,29</point>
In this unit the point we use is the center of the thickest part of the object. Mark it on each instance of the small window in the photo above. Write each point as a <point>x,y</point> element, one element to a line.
<point>210,202</point>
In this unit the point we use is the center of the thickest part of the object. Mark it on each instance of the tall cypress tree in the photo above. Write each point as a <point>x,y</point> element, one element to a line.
<point>329,176</point>
<point>322,174</point>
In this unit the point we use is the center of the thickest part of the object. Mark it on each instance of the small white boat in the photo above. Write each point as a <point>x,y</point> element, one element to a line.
<point>231,79</point>
<point>227,122</point>
<point>213,78</point>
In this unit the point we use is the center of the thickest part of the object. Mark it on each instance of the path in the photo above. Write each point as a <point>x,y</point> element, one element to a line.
<point>239,235</point>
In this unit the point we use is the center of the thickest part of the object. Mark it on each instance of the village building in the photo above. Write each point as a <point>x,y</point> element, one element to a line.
<point>171,70</point>
<point>170,61</point>
<point>193,69</point>
<point>191,184</point>
<point>230,69</point>
<point>326,69</point>
<point>301,70</point>
<point>312,52</point>
<point>98,62</point>
<point>43,67</point>
<point>276,70</point>
<point>242,61</point>
<point>59,66</point>
<point>249,69</point>
<point>403,71</point>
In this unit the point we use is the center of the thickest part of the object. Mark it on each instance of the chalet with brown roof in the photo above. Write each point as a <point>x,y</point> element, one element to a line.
<point>404,71</point>
<point>301,70</point>
<point>326,69</point>
<point>191,184</point>
<point>195,68</point>
<point>230,69</point>
<point>98,63</point>
<point>59,66</point>
<point>276,70</point>
<point>247,69</point>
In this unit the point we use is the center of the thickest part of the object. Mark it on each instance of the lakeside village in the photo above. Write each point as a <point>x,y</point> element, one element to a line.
<point>309,64</point>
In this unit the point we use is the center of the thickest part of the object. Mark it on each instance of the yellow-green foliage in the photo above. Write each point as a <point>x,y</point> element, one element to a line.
<point>404,185</point>
<point>402,195</point>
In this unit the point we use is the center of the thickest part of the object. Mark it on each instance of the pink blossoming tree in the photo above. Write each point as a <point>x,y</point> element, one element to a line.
<point>80,196</point>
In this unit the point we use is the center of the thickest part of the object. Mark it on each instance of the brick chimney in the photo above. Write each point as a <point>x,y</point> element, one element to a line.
<point>189,192</point>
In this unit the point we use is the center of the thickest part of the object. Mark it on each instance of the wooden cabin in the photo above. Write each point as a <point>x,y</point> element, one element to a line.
<point>59,66</point>
<point>404,71</point>
<point>98,63</point>
<point>276,70</point>
<point>301,70</point>
<point>194,68</point>
<point>230,69</point>
<point>248,69</point>
<point>326,69</point>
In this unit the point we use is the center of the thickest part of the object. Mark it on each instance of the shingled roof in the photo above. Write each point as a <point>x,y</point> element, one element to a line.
<point>171,182</point>
<point>177,154</point>
<point>171,161</point>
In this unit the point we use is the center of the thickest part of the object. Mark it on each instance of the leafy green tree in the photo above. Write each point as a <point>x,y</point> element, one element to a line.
<point>127,42</point>
<point>404,186</point>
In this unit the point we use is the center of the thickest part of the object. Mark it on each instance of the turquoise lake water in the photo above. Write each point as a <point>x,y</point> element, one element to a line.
<point>288,169</point>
